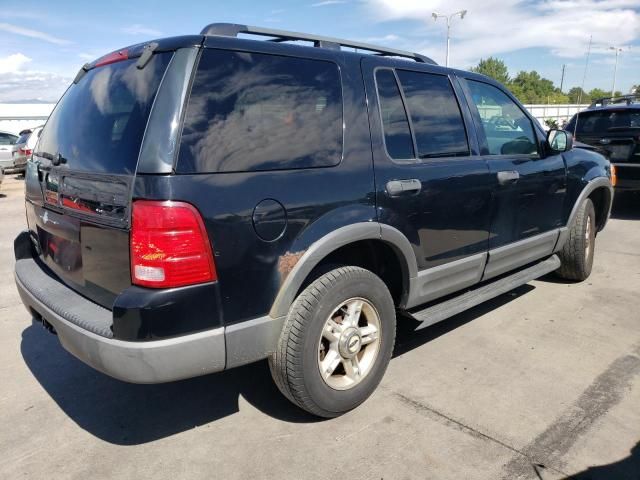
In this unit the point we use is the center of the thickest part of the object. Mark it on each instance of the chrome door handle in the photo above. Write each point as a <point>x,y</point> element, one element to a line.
<point>398,187</point>
<point>508,177</point>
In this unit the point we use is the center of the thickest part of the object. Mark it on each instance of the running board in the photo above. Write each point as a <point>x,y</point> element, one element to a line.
<point>442,311</point>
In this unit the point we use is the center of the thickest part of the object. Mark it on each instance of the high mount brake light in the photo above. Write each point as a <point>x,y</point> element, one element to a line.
<point>112,58</point>
<point>169,245</point>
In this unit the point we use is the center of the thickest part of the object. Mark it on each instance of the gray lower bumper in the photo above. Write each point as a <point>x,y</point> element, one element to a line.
<point>83,329</point>
<point>137,362</point>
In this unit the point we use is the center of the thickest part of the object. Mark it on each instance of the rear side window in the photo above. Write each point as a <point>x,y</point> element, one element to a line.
<point>435,114</point>
<point>507,129</point>
<point>250,111</point>
<point>397,136</point>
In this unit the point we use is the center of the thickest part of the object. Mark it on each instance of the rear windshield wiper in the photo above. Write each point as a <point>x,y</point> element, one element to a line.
<point>55,159</point>
<point>48,156</point>
<point>622,128</point>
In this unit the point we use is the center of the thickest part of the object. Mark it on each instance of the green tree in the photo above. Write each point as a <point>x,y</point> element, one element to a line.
<point>530,87</point>
<point>494,68</point>
<point>597,93</point>
<point>578,95</point>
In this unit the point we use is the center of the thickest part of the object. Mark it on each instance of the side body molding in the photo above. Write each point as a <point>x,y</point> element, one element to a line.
<point>333,241</point>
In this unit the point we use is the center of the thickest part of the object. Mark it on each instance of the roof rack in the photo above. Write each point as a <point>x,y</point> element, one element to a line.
<point>233,29</point>
<point>628,99</point>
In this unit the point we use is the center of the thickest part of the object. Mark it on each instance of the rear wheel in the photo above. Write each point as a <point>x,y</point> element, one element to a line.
<point>577,253</point>
<point>336,343</point>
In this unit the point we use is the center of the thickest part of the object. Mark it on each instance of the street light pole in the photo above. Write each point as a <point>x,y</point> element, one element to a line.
<point>448,18</point>
<point>615,69</point>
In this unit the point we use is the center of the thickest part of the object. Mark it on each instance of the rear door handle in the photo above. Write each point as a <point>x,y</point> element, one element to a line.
<point>398,187</point>
<point>508,177</point>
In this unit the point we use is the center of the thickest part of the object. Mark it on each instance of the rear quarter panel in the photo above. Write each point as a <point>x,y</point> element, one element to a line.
<point>316,200</point>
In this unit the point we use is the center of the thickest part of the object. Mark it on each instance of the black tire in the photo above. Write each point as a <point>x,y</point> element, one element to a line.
<point>294,366</point>
<point>577,253</point>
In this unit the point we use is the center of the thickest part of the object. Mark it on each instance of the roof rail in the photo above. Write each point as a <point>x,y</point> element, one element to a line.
<point>604,101</point>
<point>233,29</point>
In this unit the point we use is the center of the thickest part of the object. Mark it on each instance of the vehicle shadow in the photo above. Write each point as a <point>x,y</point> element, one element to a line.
<point>626,207</point>
<point>408,338</point>
<point>128,414</point>
<point>627,468</point>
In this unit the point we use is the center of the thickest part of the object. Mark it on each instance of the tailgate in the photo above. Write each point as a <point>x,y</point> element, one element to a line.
<point>78,184</point>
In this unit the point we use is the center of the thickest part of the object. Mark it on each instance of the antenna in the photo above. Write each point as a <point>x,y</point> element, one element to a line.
<point>584,79</point>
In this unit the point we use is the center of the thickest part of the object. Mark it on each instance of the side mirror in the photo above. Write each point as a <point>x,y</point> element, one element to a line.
<point>559,141</point>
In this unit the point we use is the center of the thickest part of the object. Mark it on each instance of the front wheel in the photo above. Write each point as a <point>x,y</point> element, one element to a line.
<point>336,342</point>
<point>577,253</point>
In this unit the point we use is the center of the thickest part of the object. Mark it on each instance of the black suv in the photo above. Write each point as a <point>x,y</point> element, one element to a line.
<point>612,125</point>
<point>202,202</point>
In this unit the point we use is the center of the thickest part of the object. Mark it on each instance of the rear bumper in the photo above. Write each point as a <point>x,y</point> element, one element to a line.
<point>137,362</point>
<point>85,329</point>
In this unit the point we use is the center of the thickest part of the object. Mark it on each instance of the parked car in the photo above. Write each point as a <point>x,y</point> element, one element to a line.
<point>7,140</point>
<point>202,202</point>
<point>23,148</point>
<point>613,125</point>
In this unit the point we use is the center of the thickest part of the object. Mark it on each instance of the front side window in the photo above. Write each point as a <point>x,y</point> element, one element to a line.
<point>395,125</point>
<point>435,115</point>
<point>252,111</point>
<point>507,129</point>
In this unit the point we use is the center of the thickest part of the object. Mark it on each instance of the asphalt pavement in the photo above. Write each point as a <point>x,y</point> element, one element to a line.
<point>540,383</point>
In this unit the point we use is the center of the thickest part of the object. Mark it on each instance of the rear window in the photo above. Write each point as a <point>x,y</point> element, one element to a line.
<point>99,123</point>
<point>251,111</point>
<point>23,138</point>
<point>606,121</point>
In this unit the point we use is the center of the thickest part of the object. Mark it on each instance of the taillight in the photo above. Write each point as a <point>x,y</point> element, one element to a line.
<point>112,58</point>
<point>169,245</point>
<point>614,176</point>
<point>25,151</point>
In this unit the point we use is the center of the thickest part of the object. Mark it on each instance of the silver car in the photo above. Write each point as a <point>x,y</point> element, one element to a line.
<point>19,151</point>
<point>24,147</point>
<point>7,140</point>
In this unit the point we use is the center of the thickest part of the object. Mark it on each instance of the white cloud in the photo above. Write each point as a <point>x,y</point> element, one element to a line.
<point>13,63</point>
<point>138,29</point>
<point>18,83</point>
<point>27,32</point>
<point>493,27</point>
<point>328,2</point>
<point>384,38</point>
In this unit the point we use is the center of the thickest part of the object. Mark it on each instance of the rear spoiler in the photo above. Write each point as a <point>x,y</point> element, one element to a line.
<point>144,55</point>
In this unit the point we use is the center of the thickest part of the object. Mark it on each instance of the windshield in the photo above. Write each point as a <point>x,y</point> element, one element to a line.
<point>99,123</point>
<point>605,121</point>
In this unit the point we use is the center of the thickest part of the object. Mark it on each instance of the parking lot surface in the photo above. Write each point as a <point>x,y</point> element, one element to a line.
<point>540,383</point>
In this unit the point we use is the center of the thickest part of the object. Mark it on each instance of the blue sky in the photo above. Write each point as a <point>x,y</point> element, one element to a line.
<point>43,43</point>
